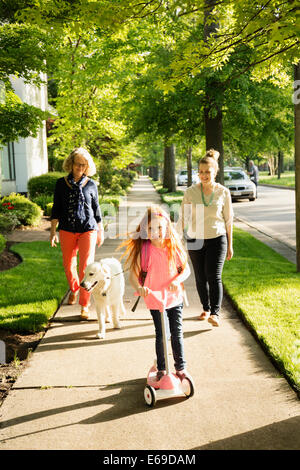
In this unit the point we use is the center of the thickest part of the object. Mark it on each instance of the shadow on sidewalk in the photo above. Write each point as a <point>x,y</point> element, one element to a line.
<point>89,338</point>
<point>283,435</point>
<point>126,402</point>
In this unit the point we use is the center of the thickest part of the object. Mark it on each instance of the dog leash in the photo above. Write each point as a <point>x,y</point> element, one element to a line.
<point>118,274</point>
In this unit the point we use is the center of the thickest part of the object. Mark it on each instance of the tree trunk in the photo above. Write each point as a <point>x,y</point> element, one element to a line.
<point>213,125</point>
<point>214,138</point>
<point>189,166</point>
<point>297,163</point>
<point>272,165</point>
<point>169,180</point>
<point>247,159</point>
<point>280,157</point>
<point>153,172</point>
<point>282,162</point>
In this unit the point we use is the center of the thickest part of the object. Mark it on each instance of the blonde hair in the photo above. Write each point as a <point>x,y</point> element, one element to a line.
<point>211,158</point>
<point>133,246</point>
<point>69,161</point>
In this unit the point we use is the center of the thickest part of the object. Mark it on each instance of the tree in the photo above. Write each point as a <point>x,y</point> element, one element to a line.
<point>258,119</point>
<point>269,31</point>
<point>24,49</point>
<point>213,114</point>
<point>297,161</point>
<point>87,76</point>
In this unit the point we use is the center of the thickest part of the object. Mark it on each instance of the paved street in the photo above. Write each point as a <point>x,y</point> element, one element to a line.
<point>273,212</point>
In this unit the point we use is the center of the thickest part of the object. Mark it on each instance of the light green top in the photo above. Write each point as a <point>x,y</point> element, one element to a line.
<point>205,221</point>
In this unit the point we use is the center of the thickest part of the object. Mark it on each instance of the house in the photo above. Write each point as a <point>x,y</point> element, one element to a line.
<point>28,157</point>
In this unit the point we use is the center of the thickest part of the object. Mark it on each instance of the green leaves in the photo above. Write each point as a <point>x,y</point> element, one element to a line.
<point>23,52</point>
<point>18,119</point>
<point>24,49</point>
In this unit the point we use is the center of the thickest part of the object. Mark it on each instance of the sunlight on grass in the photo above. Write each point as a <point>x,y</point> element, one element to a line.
<point>265,288</point>
<point>31,292</point>
<point>286,179</point>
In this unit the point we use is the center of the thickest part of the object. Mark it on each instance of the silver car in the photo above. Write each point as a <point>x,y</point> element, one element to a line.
<point>182,177</point>
<point>239,184</point>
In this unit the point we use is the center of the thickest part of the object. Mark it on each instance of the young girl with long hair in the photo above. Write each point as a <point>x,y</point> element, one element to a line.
<point>167,268</point>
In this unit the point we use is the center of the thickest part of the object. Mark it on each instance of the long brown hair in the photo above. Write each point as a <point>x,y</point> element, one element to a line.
<point>133,245</point>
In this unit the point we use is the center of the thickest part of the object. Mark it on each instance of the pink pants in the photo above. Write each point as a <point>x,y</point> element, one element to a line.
<point>85,244</point>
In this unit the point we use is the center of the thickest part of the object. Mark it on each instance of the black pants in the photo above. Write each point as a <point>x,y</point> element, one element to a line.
<point>208,262</point>
<point>174,315</point>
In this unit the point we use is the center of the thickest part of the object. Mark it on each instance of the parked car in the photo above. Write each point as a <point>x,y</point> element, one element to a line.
<point>239,184</point>
<point>182,177</point>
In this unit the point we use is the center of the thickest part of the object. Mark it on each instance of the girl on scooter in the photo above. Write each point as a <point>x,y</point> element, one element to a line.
<point>157,244</point>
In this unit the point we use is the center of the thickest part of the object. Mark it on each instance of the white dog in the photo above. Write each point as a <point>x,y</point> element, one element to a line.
<point>106,282</point>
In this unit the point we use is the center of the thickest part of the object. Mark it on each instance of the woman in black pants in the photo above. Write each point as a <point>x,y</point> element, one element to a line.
<point>206,218</point>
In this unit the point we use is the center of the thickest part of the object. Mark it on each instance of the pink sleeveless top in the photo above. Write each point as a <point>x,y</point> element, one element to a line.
<point>159,276</point>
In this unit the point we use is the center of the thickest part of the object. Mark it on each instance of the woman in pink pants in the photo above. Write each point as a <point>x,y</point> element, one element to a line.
<point>77,212</point>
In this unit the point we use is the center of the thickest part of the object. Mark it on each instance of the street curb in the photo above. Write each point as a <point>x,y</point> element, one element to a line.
<point>252,225</point>
<point>276,186</point>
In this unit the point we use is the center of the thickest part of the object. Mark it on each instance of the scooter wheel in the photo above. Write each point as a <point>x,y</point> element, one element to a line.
<point>187,387</point>
<point>149,395</point>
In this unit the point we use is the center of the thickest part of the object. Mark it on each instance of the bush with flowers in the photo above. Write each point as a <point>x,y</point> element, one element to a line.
<point>16,210</point>
<point>8,217</point>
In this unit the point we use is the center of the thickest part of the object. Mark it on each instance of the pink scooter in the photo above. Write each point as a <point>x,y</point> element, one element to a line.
<point>169,385</point>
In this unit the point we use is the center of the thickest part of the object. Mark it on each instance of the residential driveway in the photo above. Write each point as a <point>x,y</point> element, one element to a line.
<point>79,392</point>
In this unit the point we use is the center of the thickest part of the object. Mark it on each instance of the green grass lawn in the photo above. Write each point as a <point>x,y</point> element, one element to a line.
<point>31,292</point>
<point>265,288</point>
<point>286,179</point>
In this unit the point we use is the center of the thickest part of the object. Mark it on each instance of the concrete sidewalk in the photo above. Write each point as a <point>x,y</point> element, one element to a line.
<point>79,392</point>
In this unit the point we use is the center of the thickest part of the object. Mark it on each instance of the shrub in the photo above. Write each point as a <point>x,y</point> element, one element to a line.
<point>43,200</point>
<point>48,209</point>
<point>109,205</point>
<point>55,163</point>
<point>2,243</point>
<point>8,222</point>
<point>110,199</point>
<point>43,184</point>
<point>27,212</point>
<point>114,181</point>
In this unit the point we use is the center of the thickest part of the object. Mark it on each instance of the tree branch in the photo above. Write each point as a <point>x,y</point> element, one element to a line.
<point>253,64</point>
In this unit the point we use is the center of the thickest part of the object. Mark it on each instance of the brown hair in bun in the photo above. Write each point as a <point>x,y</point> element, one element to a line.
<point>211,158</point>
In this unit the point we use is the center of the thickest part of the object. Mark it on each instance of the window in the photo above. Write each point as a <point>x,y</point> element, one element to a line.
<point>8,162</point>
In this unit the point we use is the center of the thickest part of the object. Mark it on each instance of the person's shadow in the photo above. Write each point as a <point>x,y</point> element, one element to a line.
<point>127,401</point>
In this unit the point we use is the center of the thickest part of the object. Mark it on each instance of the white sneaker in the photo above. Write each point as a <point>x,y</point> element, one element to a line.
<point>214,320</point>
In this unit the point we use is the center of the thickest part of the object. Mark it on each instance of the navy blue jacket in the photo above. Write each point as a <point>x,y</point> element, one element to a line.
<point>91,207</point>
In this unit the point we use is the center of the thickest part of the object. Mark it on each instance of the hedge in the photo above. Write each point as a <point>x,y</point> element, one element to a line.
<point>43,184</point>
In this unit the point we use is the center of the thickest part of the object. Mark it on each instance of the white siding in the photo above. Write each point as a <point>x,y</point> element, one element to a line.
<point>31,158</point>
